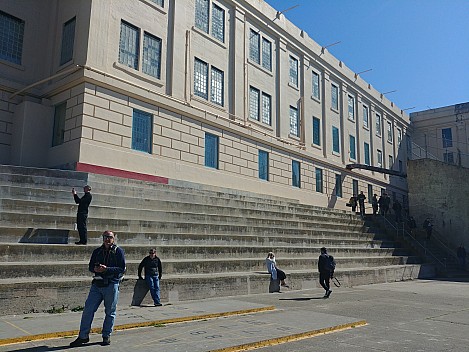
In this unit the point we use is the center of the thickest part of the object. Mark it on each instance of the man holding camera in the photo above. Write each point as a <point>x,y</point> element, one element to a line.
<point>108,264</point>
<point>82,213</point>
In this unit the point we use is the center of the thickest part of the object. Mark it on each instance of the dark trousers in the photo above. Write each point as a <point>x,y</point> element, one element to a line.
<point>81,227</point>
<point>324,280</point>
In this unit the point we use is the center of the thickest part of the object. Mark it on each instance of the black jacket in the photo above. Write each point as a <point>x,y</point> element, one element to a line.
<point>83,203</point>
<point>152,267</point>
<point>114,259</point>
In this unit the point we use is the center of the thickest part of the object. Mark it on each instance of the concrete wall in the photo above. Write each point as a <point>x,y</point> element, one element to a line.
<point>439,191</point>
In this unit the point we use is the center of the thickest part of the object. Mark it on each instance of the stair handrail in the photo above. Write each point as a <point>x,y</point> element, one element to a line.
<point>449,252</point>
<point>414,240</point>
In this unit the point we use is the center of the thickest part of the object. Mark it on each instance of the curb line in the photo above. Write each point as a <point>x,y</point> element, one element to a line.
<point>53,335</point>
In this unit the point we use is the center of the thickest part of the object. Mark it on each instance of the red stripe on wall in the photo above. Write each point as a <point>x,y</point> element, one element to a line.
<point>109,171</point>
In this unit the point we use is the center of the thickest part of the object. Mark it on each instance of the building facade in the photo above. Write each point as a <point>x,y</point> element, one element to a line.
<point>226,93</point>
<point>442,134</point>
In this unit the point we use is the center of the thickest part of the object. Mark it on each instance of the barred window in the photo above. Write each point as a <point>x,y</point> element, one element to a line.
<point>263,165</point>
<point>218,23</point>
<point>266,109</point>
<point>316,131</point>
<point>293,71</point>
<point>294,123</point>
<point>266,54</point>
<point>390,134</point>
<point>159,2</point>
<point>353,153</point>
<point>319,182</point>
<point>151,63</point>
<point>316,85</point>
<point>142,124</point>
<point>201,15</point>
<point>379,158</point>
<point>254,40</point>
<point>129,45</point>
<point>217,86</point>
<point>11,38</point>
<point>211,150</point>
<point>378,124</point>
<point>334,97</point>
<point>68,40</point>
<point>254,103</point>
<point>335,140</point>
<point>200,78</point>
<point>351,108</point>
<point>338,185</point>
<point>296,177</point>
<point>365,116</point>
<point>367,153</point>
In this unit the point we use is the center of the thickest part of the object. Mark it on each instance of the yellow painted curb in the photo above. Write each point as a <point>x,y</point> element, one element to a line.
<point>53,335</point>
<point>290,338</point>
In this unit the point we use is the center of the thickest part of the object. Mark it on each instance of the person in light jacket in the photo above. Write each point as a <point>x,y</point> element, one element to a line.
<point>275,272</point>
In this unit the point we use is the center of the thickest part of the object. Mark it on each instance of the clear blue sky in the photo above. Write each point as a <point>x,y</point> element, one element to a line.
<point>418,47</point>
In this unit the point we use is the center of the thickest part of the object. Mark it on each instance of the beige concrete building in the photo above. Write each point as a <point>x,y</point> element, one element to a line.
<point>442,134</point>
<point>226,93</point>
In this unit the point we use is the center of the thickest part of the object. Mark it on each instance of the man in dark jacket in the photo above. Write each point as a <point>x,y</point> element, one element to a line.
<point>326,271</point>
<point>153,273</point>
<point>108,264</point>
<point>82,213</point>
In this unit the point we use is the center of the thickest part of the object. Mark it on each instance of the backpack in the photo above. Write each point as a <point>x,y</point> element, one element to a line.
<point>330,264</point>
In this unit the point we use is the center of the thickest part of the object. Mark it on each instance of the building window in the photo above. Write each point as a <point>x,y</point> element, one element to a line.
<point>216,88</point>
<point>68,39</point>
<point>378,125</point>
<point>447,137</point>
<point>366,148</point>
<point>254,43</point>
<point>370,193</point>
<point>400,166</point>
<point>355,187</point>
<point>379,158</point>
<point>211,150</point>
<point>254,96</point>
<point>391,162</point>
<point>353,153</point>
<point>389,131</point>
<point>316,131</point>
<point>293,71</point>
<point>399,137</point>
<point>266,109</point>
<point>448,157</point>
<point>351,108</point>
<point>335,140</point>
<point>334,97</point>
<point>11,38</point>
<point>319,183</point>
<point>294,122</point>
<point>365,116</point>
<point>316,86</point>
<point>129,45</point>
<point>266,54</point>
<point>151,63</point>
<point>159,2</point>
<point>295,174</point>
<point>59,124</point>
<point>202,16</point>
<point>142,123</point>
<point>263,165</point>
<point>338,185</point>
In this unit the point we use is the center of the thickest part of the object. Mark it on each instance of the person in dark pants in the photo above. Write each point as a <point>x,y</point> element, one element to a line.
<point>397,207</point>
<point>361,203</point>
<point>461,253</point>
<point>82,213</point>
<point>108,264</point>
<point>153,273</point>
<point>326,271</point>
<point>374,204</point>
<point>428,226</point>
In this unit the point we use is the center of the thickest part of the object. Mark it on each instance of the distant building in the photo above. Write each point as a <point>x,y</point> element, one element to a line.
<point>442,134</point>
<point>227,93</point>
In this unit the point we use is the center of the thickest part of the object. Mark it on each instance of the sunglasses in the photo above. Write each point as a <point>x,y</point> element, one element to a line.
<point>105,237</point>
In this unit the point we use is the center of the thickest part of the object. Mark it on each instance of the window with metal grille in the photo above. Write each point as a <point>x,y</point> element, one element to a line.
<point>216,86</point>
<point>200,78</point>
<point>334,97</point>
<point>447,137</point>
<point>293,71</point>
<point>353,153</point>
<point>266,109</point>
<point>266,54</point>
<point>254,52</point>
<point>316,131</point>
<point>263,165</point>
<point>378,125</point>
<point>201,14</point>
<point>296,178</point>
<point>218,23</point>
<point>399,137</point>
<point>59,124</point>
<point>379,158</point>
<point>366,148</point>
<point>254,95</point>
<point>389,131</point>
<point>211,150</point>
<point>129,45</point>
<point>319,182</point>
<point>11,38</point>
<point>142,130</point>
<point>159,2</point>
<point>294,122</point>
<point>68,39</point>
<point>335,140</point>
<point>365,116</point>
<point>151,61</point>
<point>351,108</point>
<point>316,90</point>
<point>338,185</point>
<point>355,187</point>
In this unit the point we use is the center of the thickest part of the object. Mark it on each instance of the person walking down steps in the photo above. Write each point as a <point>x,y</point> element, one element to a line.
<point>82,213</point>
<point>326,267</point>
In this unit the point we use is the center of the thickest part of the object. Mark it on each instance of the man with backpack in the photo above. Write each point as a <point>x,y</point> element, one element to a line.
<point>326,267</point>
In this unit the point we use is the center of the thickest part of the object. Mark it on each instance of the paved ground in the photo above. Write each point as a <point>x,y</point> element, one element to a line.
<point>421,315</point>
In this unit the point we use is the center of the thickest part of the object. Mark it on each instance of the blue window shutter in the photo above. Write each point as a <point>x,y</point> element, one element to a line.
<point>335,140</point>
<point>211,150</point>
<point>142,123</point>
<point>316,131</point>
<point>263,165</point>
<point>296,181</point>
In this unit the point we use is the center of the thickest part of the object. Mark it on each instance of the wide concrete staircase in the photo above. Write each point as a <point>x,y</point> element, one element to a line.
<point>212,241</point>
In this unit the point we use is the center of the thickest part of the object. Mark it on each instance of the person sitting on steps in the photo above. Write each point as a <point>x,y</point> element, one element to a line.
<point>275,272</point>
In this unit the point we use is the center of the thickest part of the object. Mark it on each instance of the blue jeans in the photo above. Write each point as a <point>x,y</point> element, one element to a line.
<point>153,283</point>
<point>110,296</point>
